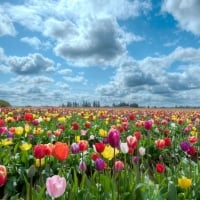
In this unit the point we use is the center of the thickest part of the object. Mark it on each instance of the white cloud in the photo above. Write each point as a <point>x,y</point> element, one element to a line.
<point>31,64</point>
<point>65,72</point>
<point>32,41</point>
<point>6,25</point>
<point>76,79</point>
<point>85,32</point>
<point>185,12</point>
<point>150,81</point>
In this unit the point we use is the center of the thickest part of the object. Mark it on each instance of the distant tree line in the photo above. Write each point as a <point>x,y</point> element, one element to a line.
<point>96,104</point>
<point>4,103</point>
<point>74,104</point>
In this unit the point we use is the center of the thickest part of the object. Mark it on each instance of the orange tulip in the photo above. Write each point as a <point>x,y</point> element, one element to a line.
<point>61,151</point>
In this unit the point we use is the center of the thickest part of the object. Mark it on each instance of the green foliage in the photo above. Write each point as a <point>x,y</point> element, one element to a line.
<point>4,103</point>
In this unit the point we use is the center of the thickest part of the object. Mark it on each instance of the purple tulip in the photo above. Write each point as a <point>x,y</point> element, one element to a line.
<point>114,138</point>
<point>185,146</point>
<point>136,159</point>
<point>82,166</point>
<point>75,148</point>
<point>99,164</point>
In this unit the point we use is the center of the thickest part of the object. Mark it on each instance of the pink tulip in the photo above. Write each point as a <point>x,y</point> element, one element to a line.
<point>56,186</point>
<point>118,166</point>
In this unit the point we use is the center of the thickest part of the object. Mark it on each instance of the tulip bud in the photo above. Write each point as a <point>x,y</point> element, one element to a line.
<point>142,151</point>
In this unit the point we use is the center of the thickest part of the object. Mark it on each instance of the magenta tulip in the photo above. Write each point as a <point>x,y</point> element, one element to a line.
<point>56,186</point>
<point>114,138</point>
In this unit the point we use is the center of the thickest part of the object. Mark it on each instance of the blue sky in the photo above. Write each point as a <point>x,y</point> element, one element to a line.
<point>134,51</point>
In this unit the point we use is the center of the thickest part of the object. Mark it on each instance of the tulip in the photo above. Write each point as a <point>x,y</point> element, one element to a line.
<point>160,168</point>
<point>109,152</point>
<point>60,151</point>
<point>160,143</point>
<point>75,126</point>
<point>148,125</point>
<point>3,175</point>
<point>99,164</point>
<point>83,145</point>
<point>39,151</point>
<point>103,133</point>
<point>136,159</point>
<point>25,146</point>
<point>82,166</point>
<point>185,146</point>
<point>168,142</point>
<point>74,148</point>
<point>28,117</point>
<point>99,147</point>
<point>114,138</point>
<point>124,147</point>
<point>118,166</point>
<point>87,124</point>
<point>56,186</point>
<point>184,182</point>
<point>142,151</point>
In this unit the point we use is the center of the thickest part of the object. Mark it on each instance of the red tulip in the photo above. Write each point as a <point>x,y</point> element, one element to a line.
<point>160,168</point>
<point>39,151</point>
<point>138,135</point>
<point>3,175</point>
<point>28,117</point>
<point>99,147</point>
<point>75,126</point>
<point>83,145</point>
<point>87,124</point>
<point>160,143</point>
<point>168,142</point>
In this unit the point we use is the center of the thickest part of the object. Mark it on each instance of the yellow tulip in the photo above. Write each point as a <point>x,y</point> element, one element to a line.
<point>103,133</point>
<point>108,152</point>
<point>184,182</point>
<point>6,142</point>
<point>27,128</point>
<point>62,119</point>
<point>25,146</point>
<point>19,130</point>
<point>77,138</point>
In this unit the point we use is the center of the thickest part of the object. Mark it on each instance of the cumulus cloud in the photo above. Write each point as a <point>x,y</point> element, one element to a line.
<point>65,72</point>
<point>6,25</point>
<point>185,13</point>
<point>86,33</point>
<point>32,41</point>
<point>76,79</point>
<point>150,80</point>
<point>31,64</point>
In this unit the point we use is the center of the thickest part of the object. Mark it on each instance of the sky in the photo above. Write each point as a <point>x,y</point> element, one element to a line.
<point>133,51</point>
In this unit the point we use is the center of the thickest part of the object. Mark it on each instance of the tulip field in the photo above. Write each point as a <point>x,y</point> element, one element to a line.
<point>99,153</point>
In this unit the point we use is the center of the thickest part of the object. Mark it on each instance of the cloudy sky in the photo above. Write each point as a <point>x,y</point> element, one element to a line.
<point>133,51</point>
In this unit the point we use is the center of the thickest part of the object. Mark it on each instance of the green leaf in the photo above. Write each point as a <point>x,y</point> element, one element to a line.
<point>172,192</point>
